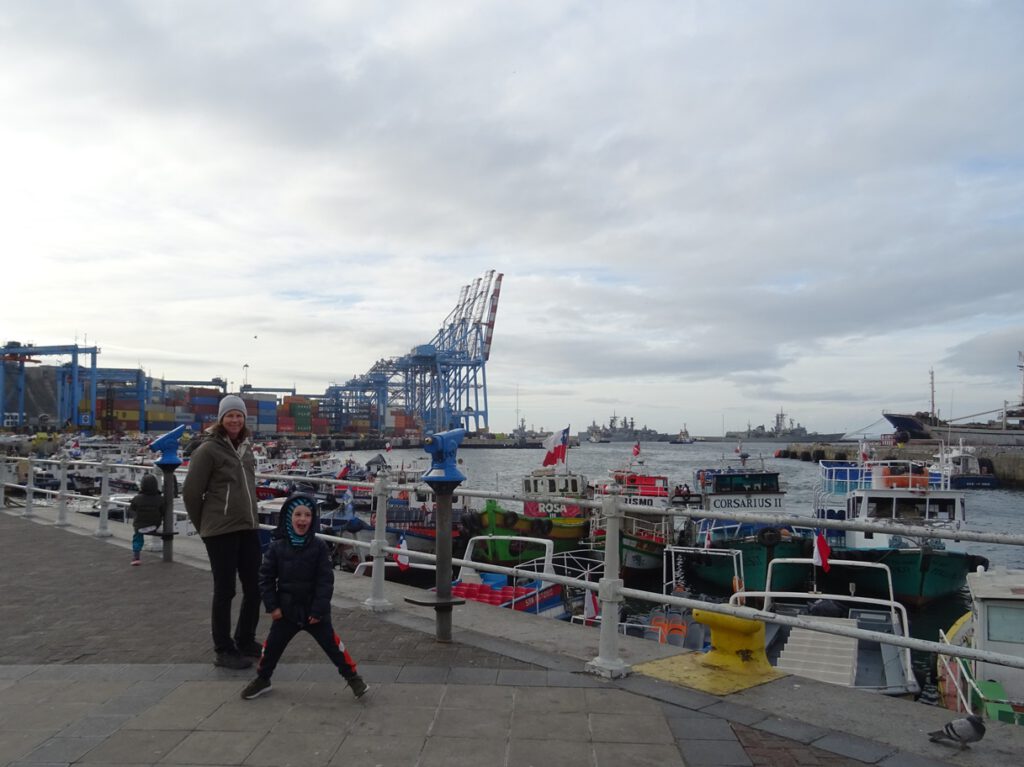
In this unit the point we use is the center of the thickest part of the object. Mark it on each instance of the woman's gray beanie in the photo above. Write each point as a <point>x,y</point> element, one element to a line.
<point>229,403</point>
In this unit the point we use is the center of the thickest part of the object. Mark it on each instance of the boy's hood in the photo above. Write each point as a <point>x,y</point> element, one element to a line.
<point>149,485</point>
<point>294,500</point>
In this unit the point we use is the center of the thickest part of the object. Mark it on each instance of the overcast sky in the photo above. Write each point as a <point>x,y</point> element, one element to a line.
<point>705,212</point>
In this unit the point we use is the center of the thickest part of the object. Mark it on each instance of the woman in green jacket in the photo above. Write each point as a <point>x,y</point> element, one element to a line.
<point>220,498</point>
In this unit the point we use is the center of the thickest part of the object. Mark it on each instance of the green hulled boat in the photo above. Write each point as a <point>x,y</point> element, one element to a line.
<point>751,490</point>
<point>923,568</point>
<point>547,513</point>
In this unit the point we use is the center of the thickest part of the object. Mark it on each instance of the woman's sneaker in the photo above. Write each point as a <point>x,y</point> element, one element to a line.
<point>232,660</point>
<point>358,686</point>
<point>256,687</point>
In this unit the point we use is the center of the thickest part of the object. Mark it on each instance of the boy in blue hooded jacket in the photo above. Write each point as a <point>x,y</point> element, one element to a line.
<point>296,583</point>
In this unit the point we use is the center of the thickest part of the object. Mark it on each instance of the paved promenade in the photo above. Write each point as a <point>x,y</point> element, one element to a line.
<point>102,663</point>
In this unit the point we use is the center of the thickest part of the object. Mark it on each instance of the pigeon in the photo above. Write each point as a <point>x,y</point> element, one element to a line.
<point>963,731</point>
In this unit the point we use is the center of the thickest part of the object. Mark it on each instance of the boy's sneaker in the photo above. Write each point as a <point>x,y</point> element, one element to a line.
<point>358,686</point>
<point>251,649</point>
<point>136,559</point>
<point>232,660</point>
<point>256,687</point>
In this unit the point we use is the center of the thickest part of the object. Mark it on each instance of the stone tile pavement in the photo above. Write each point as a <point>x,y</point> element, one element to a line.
<point>102,663</point>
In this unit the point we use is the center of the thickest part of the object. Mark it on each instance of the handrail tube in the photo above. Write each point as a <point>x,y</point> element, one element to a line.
<point>612,593</point>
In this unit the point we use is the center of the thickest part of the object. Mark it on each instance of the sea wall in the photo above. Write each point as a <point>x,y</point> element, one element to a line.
<point>1007,462</point>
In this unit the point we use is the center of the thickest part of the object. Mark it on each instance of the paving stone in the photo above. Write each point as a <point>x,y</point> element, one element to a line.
<point>522,677</point>
<point>845,744</point>
<point>396,750</point>
<point>735,712</point>
<point>423,675</point>
<point>420,695</point>
<point>638,755</point>
<point>463,752</point>
<point>698,753</point>
<point>394,721</point>
<point>552,699</point>
<point>279,750</point>
<point>464,723</point>
<point>791,728</point>
<point>97,725</point>
<point>211,748</point>
<point>524,752</point>
<point>903,759</point>
<point>630,728</point>
<point>136,746</point>
<point>467,675</point>
<point>62,749</point>
<point>704,728</point>
<point>480,697</point>
<point>546,725</point>
<point>15,745</point>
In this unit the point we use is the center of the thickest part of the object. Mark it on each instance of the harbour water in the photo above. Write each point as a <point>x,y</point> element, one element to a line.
<point>501,470</point>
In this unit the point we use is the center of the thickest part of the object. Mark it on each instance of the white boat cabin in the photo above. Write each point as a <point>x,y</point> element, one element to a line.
<point>998,615</point>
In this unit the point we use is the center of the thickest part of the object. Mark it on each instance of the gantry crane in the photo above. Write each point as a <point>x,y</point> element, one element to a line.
<point>443,383</point>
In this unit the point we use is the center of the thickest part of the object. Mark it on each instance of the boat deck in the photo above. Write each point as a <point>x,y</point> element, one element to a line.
<point>105,663</point>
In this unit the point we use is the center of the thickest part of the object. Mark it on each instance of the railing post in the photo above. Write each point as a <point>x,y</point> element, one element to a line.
<point>62,495</point>
<point>607,663</point>
<point>29,489</point>
<point>377,601</point>
<point>103,529</point>
<point>4,474</point>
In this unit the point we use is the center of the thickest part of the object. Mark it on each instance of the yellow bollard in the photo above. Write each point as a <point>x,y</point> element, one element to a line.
<point>736,661</point>
<point>737,644</point>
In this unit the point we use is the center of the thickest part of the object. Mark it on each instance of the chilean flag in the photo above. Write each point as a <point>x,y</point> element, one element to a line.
<point>591,607</point>
<point>822,551</point>
<point>387,447</point>
<point>556,445</point>
<point>636,449</point>
<point>402,559</point>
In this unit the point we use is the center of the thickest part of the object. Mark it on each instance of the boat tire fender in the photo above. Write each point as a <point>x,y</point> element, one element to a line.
<point>541,527</point>
<point>510,519</point>
<point>769,536</point>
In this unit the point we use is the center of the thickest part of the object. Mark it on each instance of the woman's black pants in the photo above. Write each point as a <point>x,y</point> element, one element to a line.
<point>234,554</point>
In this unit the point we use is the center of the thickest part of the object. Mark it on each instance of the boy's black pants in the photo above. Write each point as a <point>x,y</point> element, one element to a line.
<point>283,631</point>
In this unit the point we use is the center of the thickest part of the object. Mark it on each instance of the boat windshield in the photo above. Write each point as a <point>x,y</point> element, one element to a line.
<point>742,482</point>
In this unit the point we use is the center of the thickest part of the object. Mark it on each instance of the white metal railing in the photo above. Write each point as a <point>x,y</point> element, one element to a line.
<point>610,589</point>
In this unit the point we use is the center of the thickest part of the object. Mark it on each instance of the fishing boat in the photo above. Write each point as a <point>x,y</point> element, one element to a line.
<point>745,488</point>
<point>530,594</point>
<point>962,469</point>
<point>642,536</point>
<point>993,624</point>
<point>868,665</point>
<point>899,493</point>
<point>547,513</point>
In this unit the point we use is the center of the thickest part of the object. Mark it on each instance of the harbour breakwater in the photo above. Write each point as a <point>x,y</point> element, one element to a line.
<point>1007,462</point>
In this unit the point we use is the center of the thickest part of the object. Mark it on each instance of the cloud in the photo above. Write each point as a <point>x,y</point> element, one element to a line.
<point>697,208</point>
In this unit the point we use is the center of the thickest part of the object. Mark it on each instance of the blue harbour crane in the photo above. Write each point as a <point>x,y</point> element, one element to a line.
<point>442,383</point>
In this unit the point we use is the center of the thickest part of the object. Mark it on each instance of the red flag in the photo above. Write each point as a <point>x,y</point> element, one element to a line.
<point>707,536</point>
<point>387,447</point>
<point>556,444</point>
<point>402,559</point>
<point>591,607</point>
<point>636,449</point>
<point>822,551</point>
